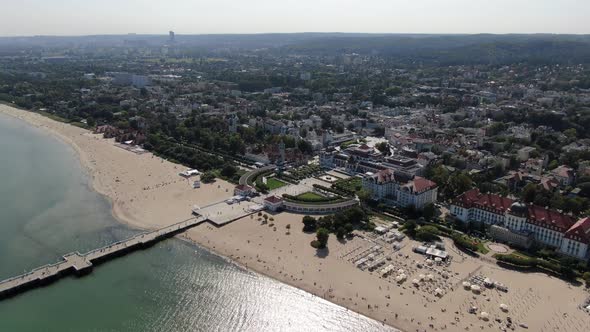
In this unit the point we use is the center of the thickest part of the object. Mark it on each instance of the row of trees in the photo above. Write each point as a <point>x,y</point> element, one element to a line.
<point>342,223</point>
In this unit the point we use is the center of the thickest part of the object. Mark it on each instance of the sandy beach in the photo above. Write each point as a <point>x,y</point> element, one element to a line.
<point>146,192</point>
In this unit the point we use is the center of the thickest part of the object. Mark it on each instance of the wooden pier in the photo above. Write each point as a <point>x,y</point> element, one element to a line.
<point>80,264</point>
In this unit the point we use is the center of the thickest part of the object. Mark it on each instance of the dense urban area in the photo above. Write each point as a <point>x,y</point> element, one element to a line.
<point>476,139</point>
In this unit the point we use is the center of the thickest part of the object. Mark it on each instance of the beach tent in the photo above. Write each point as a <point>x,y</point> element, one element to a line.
<point>466,284</point>
<point>475,288</point>
<point>488,282</point>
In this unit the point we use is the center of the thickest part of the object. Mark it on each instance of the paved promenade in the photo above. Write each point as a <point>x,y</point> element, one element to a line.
<point>76,263</point>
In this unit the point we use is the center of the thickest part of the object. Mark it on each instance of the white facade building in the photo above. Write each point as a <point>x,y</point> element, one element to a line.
<point>400,191</point>
<point>547,227</point>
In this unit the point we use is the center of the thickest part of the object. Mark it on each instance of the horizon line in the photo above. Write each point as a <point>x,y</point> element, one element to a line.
<point>304,32</point>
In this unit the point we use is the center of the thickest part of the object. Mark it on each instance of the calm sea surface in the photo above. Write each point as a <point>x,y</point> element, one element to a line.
<point>47,209</point>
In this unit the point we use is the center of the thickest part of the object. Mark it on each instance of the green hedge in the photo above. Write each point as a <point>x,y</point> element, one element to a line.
<point>529,262</point>
<point>463,242</point>
<point>331,190</point>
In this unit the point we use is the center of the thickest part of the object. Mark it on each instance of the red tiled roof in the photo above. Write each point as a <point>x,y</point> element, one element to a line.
<point>543,217</point>
<point>421,184</point>
<point>580,231</point>
<point>563,171</point>
<point>537,215</point>
<point>243,187</point>
<point>273,199</point>
<point>490,202</point>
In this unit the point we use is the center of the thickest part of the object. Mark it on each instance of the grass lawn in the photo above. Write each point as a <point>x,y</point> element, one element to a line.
<point>311,196</point>
<point>273,183</point>
<point>481,247</point>
<point>349,185</point>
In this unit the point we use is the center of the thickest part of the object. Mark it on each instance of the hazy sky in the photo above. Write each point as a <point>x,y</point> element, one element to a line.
<point>81,17</point>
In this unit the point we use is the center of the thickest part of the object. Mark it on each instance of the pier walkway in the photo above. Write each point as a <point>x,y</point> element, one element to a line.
<point>80,264</point>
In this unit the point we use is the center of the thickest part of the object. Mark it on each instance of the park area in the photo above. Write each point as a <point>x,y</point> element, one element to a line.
<point>273,183</point>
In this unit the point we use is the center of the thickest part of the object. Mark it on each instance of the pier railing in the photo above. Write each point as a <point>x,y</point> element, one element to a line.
<point>81,264</point>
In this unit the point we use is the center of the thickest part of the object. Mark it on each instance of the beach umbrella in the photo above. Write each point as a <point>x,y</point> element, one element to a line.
<point>415,281</point>
<point>504,307</point>
<point>484,315</point>
<point>421,276</point>
<point>438,292</point>
<point>488,282</point>
<point>466,284</point>
<point>438,259</point>
<point>475,288</point>
<point>429,277</point>
<point>400,271</point>
<point>429,261</point>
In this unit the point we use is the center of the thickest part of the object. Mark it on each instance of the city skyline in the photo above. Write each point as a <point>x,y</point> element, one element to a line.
<point>67,17</point>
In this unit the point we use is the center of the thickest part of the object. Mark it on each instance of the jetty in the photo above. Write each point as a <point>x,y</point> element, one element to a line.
<point>81,264</point>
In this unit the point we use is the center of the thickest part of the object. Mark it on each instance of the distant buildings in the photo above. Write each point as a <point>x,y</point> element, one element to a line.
<point>564,174</point>
<point>519,221</point>
<point>122,78</point>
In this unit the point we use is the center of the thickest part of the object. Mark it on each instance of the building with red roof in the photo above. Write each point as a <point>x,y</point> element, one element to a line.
<point>399,189</point>
<point>273,203</point>
<point>548,227</point>
<point>243,190</point>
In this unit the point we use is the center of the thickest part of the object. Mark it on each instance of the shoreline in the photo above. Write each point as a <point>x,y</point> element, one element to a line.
<point>118,215</point>
<point>80,156</point>
<point>145,192</point>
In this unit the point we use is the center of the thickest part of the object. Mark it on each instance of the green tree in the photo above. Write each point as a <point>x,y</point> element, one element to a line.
<point>393,91</point>
<point>90,122</point>
<point>228,170</point>
<point>571,133</point>
<point>383,147</point>
<point>322,236</point>
<point>364,195</point>
<point>459,183</point>
<point>208,177</point>
<point>410,227</point>
<point>427,233</point>
<point>309,224</point>
<point>340,233</point>
<point>428,211</point>
<point>529,192</point>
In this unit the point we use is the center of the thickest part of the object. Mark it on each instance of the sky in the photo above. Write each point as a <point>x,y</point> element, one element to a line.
<point>85,17</point>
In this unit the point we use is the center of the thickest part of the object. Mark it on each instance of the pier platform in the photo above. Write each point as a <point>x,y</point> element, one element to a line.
<point>80,264</point>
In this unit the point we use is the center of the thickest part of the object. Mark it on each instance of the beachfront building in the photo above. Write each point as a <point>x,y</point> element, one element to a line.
<point>243,190</point>
<point>548,227</point>
<point>273,203</point>
<point>363,159</point>
<point>400,190</point>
